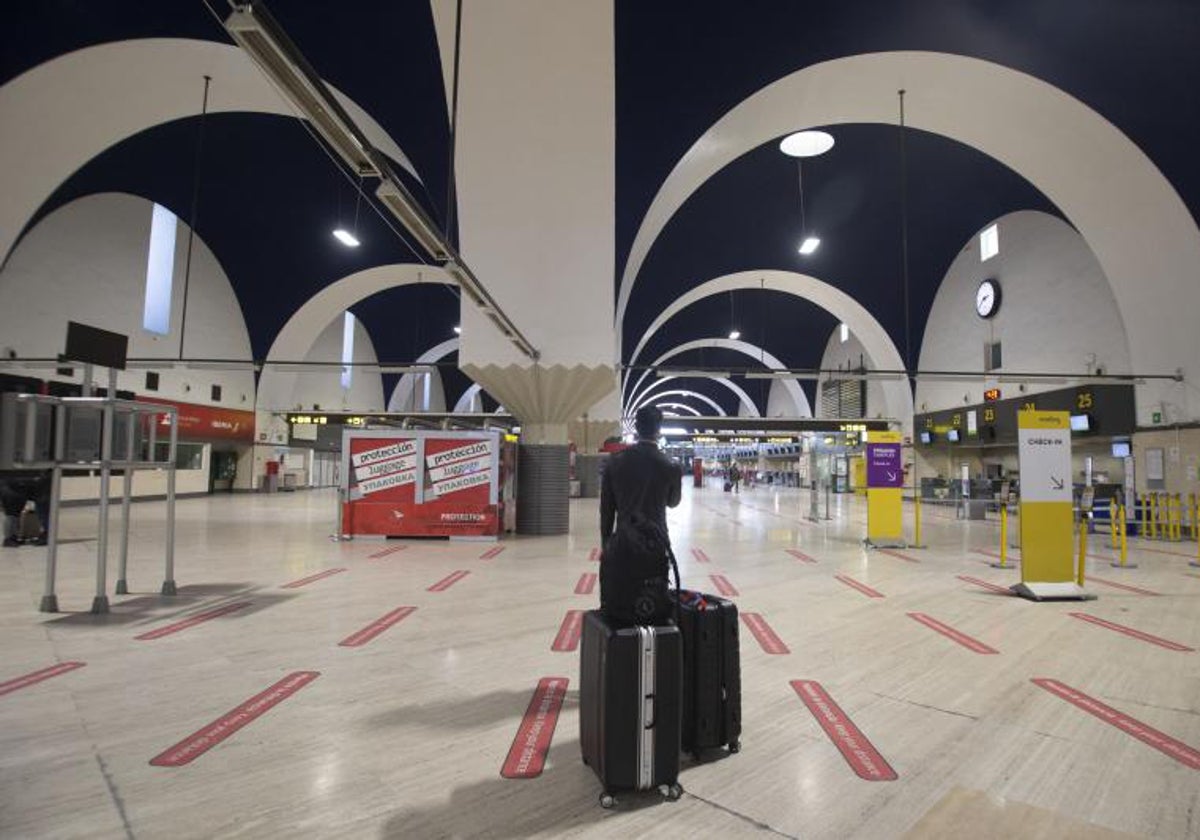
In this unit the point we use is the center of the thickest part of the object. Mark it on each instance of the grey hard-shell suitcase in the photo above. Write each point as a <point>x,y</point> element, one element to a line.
<point>630,706</point>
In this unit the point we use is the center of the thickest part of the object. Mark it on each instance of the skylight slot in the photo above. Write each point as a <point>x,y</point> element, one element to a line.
<point>347,350</point>
<point>989,243</point>
<point>160,271</point>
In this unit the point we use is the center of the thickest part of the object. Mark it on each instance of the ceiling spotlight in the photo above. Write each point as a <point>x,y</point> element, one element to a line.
<point>735,335</point>
<point>458,330</point>
<point>346,238</point>
<point>809,245</point>
<point>806,144</point>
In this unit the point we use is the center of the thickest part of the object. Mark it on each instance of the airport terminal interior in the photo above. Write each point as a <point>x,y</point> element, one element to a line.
<point>321,323</point>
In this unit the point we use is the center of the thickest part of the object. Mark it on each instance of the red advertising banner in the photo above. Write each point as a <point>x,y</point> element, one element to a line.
<point>457,488</point>
<point>205,422</point>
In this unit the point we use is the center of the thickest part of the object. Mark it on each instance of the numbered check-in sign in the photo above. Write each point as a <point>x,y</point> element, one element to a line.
<point>1045,453</point>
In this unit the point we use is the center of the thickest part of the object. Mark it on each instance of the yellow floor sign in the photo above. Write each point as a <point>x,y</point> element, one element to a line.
<point>1047,522</point>
<point>885,488</point>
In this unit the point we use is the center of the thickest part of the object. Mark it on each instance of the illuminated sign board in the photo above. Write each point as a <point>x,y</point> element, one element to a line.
<point>991,395</point>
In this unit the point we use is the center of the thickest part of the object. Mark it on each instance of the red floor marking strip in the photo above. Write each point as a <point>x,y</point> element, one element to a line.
<point>296,584</point>
<point>568,633</point>
<point>1162,742</point>
<point>700,556</point>
<point>1129,631</point>
<point>385,552</point>
<point>527,755</point>
<point>198,618</point>
<point>767,640</point>
<point>448,581</point>
<point>494,551</point>
<point>898,555</point>
<point>376,627</point>
<point>1004,590</point>
<point>1124,586</point>
<point>724,586</point>
<point>1012,557</point>
<point>861,587</point>
<point>800,555</point>
<point>18,683</point>
<point>950,633</point>
<point>587,583</point>
<point>594,555</point>
<point>859,753</point>
<point>205,739</point>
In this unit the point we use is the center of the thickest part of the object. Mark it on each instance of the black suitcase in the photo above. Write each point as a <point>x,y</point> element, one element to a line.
<point>629,706</point>
<point>712,673</point>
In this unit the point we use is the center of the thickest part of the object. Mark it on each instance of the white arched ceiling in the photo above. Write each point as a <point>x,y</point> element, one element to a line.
<point>1129,214</point>
<point>306,323</point>
<point>732,386</point>
<point>651,400</point>
<point>799,398</point>
<point>466,403</point>
<point>402,393</point>
<point>898,396</point>
<point>62,113</point>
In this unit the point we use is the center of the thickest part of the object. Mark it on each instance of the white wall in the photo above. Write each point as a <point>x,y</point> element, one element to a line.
<point>324,388</point>
<point>1057,313</point>
<point>86,262</point>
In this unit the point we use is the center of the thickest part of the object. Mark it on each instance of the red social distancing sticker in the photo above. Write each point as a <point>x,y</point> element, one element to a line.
<point>859,753</point>
<point>527,755</point>
<point>762,632</point>
<point>198,618</point>
<point>27,680</point>
<point>376,627</point>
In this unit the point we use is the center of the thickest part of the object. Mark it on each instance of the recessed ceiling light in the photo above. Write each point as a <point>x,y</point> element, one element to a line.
<point>809,245</point>
<point>458,330</point>
<point>735,335</point>
<point>806,144</point>
<point>346,238</point>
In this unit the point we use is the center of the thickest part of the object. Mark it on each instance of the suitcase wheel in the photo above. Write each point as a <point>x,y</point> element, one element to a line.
<point>735,747</point>
<point>671,792</point>
<point>608,801</point>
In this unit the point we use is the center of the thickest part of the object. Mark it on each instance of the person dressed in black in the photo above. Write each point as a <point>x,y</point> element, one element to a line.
<point>639,484</point>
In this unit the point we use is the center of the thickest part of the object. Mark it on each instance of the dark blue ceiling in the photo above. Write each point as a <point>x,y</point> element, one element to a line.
<point>269,196</point>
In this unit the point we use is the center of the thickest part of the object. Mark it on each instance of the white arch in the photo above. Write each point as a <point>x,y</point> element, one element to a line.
<point>1082,163</point>
<point>898,395</point>
<point>678,406</point>
<point>716,406</point>
<point>402,393</point>
<point>59,115</point>
<point>306,323</point>
<point>732,386</point>
<point>467,400</point>
<point>803,409</point>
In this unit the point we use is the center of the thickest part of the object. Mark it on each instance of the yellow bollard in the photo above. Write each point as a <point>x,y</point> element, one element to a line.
<point>1195,511</point>
<point>1124,537</point>
<point>1153,516</point>
<point>1004,536</point>
<point>916,520</point>
<point>1178,517</point>
<point>1082,550</point>
<point>1112,524</point>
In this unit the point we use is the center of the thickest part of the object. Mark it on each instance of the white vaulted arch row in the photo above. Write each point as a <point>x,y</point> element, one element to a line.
<point>467,399</point>
<point>306,323</point>
<point>898,397</point>
<point>82,100</point>
<point>732,386</point>
<point>716,407</point>
<point>799,398</point>
<point>1077,158</point>
<point>403,391</point>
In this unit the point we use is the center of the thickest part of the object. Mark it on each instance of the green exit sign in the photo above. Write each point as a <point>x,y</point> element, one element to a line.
<point>1156,417</point>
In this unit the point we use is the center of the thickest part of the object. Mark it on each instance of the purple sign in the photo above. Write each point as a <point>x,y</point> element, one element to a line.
<point>884,468</point>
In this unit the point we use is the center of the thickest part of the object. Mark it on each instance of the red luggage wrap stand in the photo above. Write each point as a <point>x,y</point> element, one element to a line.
<point>407,483</point>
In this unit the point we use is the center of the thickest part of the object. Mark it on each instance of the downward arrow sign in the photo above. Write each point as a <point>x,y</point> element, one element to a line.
<point>891,476</point>
<point>1057,482</point>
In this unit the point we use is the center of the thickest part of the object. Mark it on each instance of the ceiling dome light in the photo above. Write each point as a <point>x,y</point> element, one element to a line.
<point>804,144</point>
<point>346,238</point>
<point>735,335</point>
<point>809,245</point>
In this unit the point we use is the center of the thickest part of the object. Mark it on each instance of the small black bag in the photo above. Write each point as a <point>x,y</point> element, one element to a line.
<point>634,587</point>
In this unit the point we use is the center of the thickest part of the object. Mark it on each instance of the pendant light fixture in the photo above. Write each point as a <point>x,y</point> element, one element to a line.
<point>800,145</point>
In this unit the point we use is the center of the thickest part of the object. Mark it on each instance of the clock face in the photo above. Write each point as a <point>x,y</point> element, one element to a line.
<point>987,299</point>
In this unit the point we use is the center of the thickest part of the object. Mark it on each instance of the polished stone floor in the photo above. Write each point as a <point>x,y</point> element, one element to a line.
<point>404,734</point>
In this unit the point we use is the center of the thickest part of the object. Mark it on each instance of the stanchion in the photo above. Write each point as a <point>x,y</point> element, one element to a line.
<point>1178,508</point>
<point>1122,540</point>
<point>1113,539</point>
<point>1082,551</point>
<point>1003,564</point>
<point>1195,510</point>
<point>916,543</point>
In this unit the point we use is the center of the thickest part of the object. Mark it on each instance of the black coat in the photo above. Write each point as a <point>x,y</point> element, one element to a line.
<point>640,478</point>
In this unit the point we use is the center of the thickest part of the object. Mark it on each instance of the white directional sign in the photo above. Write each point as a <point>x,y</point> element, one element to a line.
<point>1045,465</point>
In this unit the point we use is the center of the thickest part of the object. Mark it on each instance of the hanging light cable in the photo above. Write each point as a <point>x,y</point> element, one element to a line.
<point>904,234</point>
<point>808,244</point>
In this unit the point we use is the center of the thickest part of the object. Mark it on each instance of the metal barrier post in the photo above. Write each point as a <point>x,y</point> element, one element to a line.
<point>49,601</point>
<point>122,587</point>
<point>1152,500</point>
<point>917,520</point>
<point>100,601</point>
<point>1082,551</point>
<point>1121,541</point>
<point>1004,536</point>
<point>1112,524</point>
<point>1178,536</point>
<point>168,587</point>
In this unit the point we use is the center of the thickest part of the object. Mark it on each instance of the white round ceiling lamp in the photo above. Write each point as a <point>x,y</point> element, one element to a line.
<point>804,144</point>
